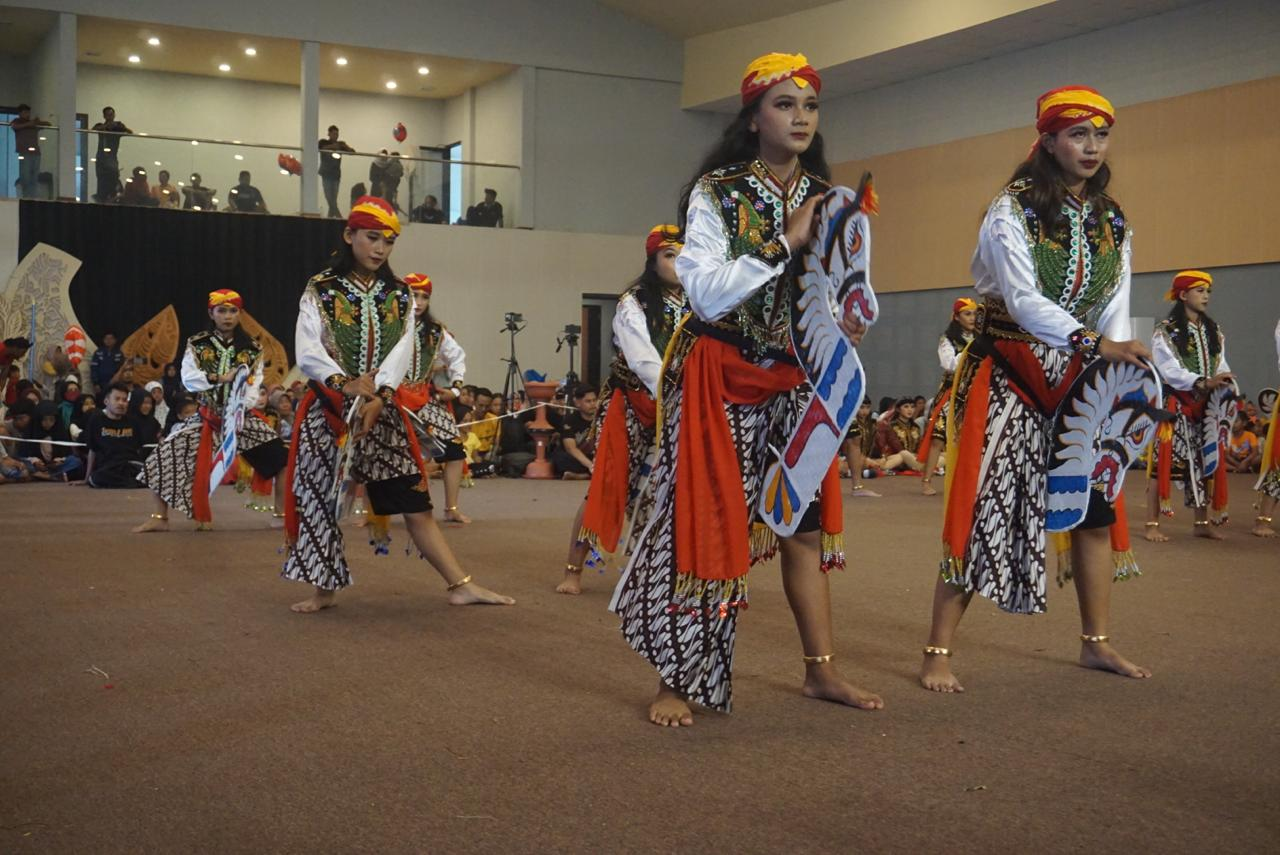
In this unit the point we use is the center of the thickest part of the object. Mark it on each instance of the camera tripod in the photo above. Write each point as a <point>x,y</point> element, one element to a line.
<point>570,376</point>
<point>515,377</point>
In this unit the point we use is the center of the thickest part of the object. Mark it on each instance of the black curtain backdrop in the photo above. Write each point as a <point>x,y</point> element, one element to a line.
<point>136,261</point>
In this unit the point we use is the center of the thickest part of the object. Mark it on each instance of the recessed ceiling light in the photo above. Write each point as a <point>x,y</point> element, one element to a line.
<point>157,163</point>
<point>153,41</point>
<point>250,51</point>
<point>195,142</point>
<point>224,67</point>
<point>422,69</point>
<point>133,57</point>
<point>342,60</point>
<point>239,157</point>
<point>391,84</point>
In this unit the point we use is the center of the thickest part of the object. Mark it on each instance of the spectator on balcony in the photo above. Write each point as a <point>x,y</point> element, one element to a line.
<point>245,198</point>
<point>137,191</point>
<point>378,174</point>
<point>26,139</point>
<point>488,213</point>
<point>428,212</point>
<point>197,197</point>
<point>331,149</point>
<point>391,182</point>
<point>358,190</point>
<point>107,161</point>
<point>165,194</point>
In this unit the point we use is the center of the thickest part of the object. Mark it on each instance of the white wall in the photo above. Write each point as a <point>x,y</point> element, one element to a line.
<point>216,108</point>
<point>612,153</point>
<point>15,82</point>
<point>498,134</point>
<point>1188,50</point>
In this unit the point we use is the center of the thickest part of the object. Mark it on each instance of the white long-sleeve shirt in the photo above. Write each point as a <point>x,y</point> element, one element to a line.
<point>452,358</point>
<point>315,361</point>
<point>717,284</point>
<point>194,379</point>
<point>1002,267</point>
<point>631,336</point>
<point>1170,365</point>
<point>947,355</point>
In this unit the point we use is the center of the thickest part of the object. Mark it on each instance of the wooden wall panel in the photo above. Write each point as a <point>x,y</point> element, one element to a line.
<point>1197,175</point>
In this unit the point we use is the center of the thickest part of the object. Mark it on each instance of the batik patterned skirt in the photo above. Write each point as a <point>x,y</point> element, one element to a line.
<point>639,459</point>
<point>170,470</point>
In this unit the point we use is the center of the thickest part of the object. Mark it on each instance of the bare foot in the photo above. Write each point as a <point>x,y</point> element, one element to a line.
<point>669,709</point>
<point>1154,534</point>
<point>1262,530</point>
<point>1209,532</point>
<point>936,676</point>
<point>926,489</point>
<point>317,601</point>
<point>152,524</point>
<point>575,476</point>
<point>204,526</point>
<point>472,594</point>
<point>361,520</point>
<point>572,583</point>
<point>824,683</point>
<point>456,516</point>
<point>1103,657</point>
<point>864,492</point>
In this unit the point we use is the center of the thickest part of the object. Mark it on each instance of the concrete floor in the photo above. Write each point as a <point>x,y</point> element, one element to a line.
<point>395,723</point>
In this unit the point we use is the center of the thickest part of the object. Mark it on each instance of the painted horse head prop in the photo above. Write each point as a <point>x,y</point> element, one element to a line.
<point>1219,412</point>
<point>834,281</point>
<point>1105,423</point>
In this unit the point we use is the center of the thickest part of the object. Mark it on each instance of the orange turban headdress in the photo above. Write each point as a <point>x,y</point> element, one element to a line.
<point>1185,281</point>
<point>773,68</point>
<point>225,295</point>
<point>370,212</point>
<point>419,282</point>
<point>1059,109</point>
<point>963,303</point>
<point>661,237</point>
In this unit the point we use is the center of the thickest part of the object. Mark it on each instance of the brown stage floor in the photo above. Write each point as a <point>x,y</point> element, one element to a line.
<point>395,723</point>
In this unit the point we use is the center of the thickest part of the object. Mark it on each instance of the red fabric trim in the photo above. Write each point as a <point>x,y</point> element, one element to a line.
<point>927,437</point>
<point>200,510</point>
<point>339,428</point>
<point>958,518</point>
<point>1120,528</point>
<point>607,496</point>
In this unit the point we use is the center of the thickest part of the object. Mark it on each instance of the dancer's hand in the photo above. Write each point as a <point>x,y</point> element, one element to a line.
<point>853,328</point>
<point>361,387</point>
<point>803,225</point>
<point>1132,352</point>
<point>1218,381</point>
<point>369,412</point>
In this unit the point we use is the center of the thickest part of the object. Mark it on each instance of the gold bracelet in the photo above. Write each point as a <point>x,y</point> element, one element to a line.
<point>932,650</point>
<point>458,584</point>
<point>819,660</point>
<point>1095,639</point>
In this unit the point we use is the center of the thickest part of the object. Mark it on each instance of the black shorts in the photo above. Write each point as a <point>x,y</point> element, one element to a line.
<point>268,459</point>
<point>398,496</point>
<point>452,451</point>
<point>811,521</point>
<point>1099,514</point>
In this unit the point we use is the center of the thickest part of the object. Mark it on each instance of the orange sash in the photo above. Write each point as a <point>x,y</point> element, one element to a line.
<point>611,478</point>
<point>332,415</point>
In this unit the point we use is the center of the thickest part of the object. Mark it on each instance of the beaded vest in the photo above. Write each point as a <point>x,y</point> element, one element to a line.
<point>674,307</point>
<point>754,210</point>
<point>215,356</point>
<point>427,343</point>
<point>362,322</point>
<point>1197,358</point>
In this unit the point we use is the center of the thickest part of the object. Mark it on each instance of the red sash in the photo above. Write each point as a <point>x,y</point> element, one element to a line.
<point>611,473</point>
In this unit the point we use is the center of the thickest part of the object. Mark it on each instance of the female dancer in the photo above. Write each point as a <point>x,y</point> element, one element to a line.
<point>436,348</point>
<point>1191,355</point>
<point>179,469</point>
<point>1269,481</point>
<point>731,389</point>
<point>355,341</point>
<point>956,337</point>
<point>625,422</point>
<point>1052,265</point>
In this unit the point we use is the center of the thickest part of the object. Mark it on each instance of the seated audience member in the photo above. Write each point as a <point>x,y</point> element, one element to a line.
<point>12,352</point>
<point>515,449</point>
<point>86,406</point>
<point>136,190</point>
<point>156,390</point>
<point>142,409</point>
<point>66,398</point>
<point>922,411</point>
<point>486,433</point>
<point>280,405</point>
<point>897,437</point>
<point>114,443</point>
<point>183,409</point>
<point>50,462</point>
<point>164,193</point>
<point>487,213</point>
<point>1244,452</point>
<point>197,197</point>
<point>9,384</point>
<point>244,198</point>
<point>105,362</point>
<point>572,458</point>
<point>859,444</point>
<point>16,425</point>
<point>428,212</point>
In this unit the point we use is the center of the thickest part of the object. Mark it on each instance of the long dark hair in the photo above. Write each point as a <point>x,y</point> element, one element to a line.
<point>649,287</point>
<point>1048,189</point>
<point>955,334</point>
<point>343,260</point>
<point>739,144</point>
<point>1182,340</point>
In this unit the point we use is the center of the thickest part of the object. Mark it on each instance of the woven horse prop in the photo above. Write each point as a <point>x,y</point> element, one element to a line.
<point>232,421</point>
<point>1219,412</point>
<point>834,281</point>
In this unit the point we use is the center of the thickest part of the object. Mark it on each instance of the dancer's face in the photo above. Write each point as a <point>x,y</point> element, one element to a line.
<point>665,265</point>
<point>1197,298</point>
<point>225,317</point>
<point>786,120</point>
<point>421,303</point>
<point>1080,150</point>
<point>967,318</point>
<point>371,248</point>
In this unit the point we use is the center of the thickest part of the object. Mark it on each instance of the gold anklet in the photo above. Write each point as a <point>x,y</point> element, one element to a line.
<point>573,568</point>
<point>458,584</point>
<point>1152,524</point>
<point>857,487</point>
<point>1095,639</point>
<point>166,518</point>
<point>932,650</point>
<point>452,510</point>
<point>277,515</point>
<point>1260,518</point>
<point>1202,522</point>
<point>819,660</point>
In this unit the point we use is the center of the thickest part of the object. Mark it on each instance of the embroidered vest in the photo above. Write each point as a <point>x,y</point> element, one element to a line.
<point>1197,358</point>
<point>429,336</point>
<point>362,323</point>
<point>754,211</point>
<point>214,356</point>
<point>674,307</point>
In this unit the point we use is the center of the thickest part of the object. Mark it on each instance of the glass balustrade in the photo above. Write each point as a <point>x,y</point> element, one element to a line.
<point>30,170</point>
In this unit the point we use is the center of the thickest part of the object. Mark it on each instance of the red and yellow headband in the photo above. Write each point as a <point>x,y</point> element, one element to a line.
<point>1059,109</point>
<point>661,237</point>
<point>370,212</point>
<point>223,296</point>
<point>963,303</point>
<point>419,282</point>
<point>773,68</point>
<point>1185,281</point>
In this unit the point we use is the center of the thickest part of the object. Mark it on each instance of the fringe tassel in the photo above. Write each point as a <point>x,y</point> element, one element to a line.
<point>380,534</point>
<point>952,570</point>
<point>1126,566</point>
<point>595,558</point>
<point>832,551</point>
<point>711,597</point>
<point>763,543</point>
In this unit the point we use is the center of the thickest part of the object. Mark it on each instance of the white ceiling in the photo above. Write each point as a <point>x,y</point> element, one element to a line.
<point>706,16</point>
